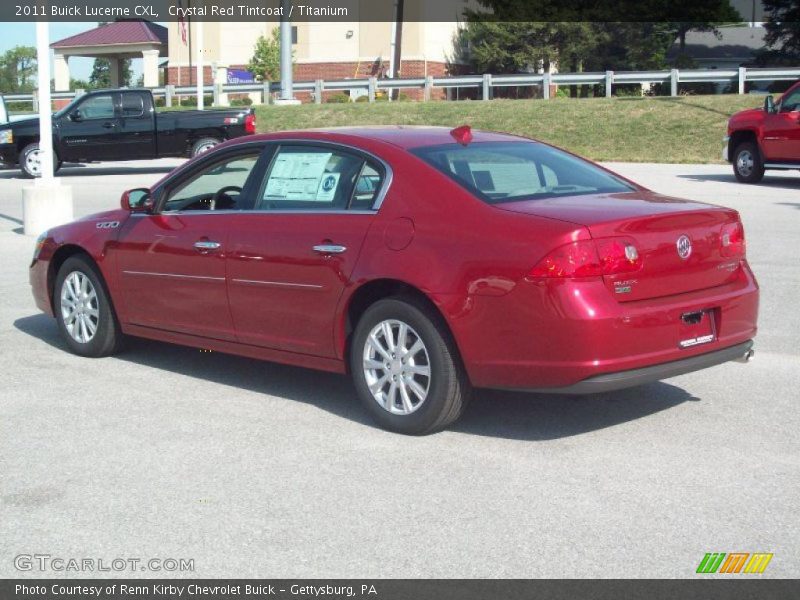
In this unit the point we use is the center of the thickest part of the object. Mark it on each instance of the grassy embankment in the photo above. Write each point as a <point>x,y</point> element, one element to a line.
<point>686,129</point>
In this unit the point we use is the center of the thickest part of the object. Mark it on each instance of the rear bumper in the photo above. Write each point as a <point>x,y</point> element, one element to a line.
<point>624,379</point>
<point>573,335</point>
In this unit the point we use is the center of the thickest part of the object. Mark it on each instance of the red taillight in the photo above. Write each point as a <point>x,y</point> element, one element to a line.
<point>578,259</point>
<point>589,258</point>
<point>618,256</point>
<point>250,123</point>
<point>731,240</point>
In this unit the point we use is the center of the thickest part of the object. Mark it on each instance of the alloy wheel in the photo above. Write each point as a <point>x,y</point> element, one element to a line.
<point>396,367</point>
<point>80,310</point>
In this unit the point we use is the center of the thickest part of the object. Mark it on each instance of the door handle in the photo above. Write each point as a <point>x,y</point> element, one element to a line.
<point>205,246</point>
<point>109,125</point>
<point>329,249</point>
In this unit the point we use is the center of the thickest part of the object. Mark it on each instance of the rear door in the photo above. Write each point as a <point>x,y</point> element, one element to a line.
<point>137,126</point>
<point>290,259</point>
<point>781,137</point>
<point>172,263</point>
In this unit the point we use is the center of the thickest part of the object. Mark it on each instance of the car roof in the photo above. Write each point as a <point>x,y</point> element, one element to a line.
<point>403,136</point>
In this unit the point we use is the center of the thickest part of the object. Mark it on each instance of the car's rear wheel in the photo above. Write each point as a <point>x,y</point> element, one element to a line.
<point>748,167</point>
<point>83,309</point>
<point>203,145</point>
<point>406,368</point>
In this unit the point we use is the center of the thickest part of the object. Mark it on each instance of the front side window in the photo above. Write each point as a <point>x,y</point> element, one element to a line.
<point>508,171</point>
<point>217,187</point>
<point>98,107</point>
<point>316,178</point>
<point>791,102</point>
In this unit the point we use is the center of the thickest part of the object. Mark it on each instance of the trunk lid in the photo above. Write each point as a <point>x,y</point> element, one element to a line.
<point>654,224</point>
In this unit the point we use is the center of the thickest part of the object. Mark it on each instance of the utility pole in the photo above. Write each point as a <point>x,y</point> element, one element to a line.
<point>287,91</point>
<point>200,77</point>
<point>396,43</point>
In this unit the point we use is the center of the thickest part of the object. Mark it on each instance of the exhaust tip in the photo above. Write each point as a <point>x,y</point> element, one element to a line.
<point>747,356</point>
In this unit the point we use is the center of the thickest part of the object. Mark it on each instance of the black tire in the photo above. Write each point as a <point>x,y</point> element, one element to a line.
<point>202,145</point>
<point>448,388</point>
<point>748,165</point>
<point>107,337</point>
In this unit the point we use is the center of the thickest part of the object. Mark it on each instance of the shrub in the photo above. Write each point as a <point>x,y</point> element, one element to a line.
<point>627,90</point>
<point>338,99</point>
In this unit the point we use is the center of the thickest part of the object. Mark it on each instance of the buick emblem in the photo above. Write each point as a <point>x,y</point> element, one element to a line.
<point>684,245</point>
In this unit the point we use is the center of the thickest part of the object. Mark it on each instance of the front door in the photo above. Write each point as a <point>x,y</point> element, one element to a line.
<point>172,264</point>
<point>91,130</point>
<point>782,129</point>
<point>290,259</point>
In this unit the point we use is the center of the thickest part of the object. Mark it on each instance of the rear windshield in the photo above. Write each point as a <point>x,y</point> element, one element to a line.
<point>509,171</point>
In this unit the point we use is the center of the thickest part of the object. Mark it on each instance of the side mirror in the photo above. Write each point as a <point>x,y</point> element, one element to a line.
<point>137,200</point>
<point>769,105</point>
<point>76,115</point>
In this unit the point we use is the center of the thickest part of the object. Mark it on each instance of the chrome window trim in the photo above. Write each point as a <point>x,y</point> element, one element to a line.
<point>388,176</point>
<point>194,213</point>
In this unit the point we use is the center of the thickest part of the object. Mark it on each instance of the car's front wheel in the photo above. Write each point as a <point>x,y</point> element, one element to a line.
<point>748,167</point>
<point>30,161</point>
<point>406,368</point>
<point>83,309</point>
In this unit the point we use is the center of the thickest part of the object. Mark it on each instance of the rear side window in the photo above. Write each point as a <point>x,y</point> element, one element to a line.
<point>132,106</point>
<point>318,178</point>
<point>508,171</point>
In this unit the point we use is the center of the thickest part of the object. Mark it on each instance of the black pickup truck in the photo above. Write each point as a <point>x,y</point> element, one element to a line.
<point>121,125</point>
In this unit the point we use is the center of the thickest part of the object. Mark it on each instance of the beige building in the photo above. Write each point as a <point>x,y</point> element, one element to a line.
<point>322,50</point>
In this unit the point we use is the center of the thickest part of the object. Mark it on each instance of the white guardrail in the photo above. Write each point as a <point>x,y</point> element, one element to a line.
<point>486,83</point>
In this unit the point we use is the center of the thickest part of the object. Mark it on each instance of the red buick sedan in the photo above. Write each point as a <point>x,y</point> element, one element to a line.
<point>424,262</point>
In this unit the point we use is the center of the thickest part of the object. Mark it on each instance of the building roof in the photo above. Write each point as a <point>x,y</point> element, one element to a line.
<point>117,33</point>
<point>735,43</point>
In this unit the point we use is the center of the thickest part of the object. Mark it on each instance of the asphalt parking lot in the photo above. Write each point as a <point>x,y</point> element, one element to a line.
<point>259,470</point>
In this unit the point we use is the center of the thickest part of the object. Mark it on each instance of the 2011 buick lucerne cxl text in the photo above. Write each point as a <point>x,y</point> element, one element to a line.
<point>425,262</point>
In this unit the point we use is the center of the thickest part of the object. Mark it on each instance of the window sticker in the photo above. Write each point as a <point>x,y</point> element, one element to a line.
<point>327,187</point>
<point>299,176</point>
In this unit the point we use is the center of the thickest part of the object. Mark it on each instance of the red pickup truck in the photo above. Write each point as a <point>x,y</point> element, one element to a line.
<point>768,138</point>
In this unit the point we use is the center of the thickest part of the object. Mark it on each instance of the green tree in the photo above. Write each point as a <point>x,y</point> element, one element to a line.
<point>517,35</point>
<point>783,27</point>
<point>18,69</point>
<point>101,73</point>
<point>265,63</point>
<point>79,84</point>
